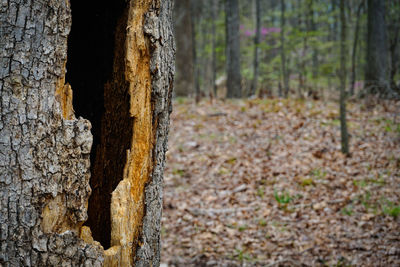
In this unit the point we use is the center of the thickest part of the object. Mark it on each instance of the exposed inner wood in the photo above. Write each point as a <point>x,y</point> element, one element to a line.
<point>64,97</point>
<point>123,139</point>
<point>127,205</point>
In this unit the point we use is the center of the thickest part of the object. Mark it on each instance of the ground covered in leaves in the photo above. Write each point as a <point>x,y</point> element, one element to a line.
<point>263,183</point>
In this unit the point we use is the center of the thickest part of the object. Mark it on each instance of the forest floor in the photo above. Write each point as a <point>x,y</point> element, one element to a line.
<point>263,183</point>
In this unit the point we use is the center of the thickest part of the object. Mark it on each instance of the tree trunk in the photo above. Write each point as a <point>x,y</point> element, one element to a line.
<point>47,167</point>
<point>394,33</point>
<point>335,20</point>
<point>313,28</point>
<point>376,74</point>
<point>184,80</point>
<point>343,71</point>
<point>256,49</point>
<point>283,54</point>
<point>233,50</point>
<point>353,57</point>
<point>214,12</point>
<point>196,70</point>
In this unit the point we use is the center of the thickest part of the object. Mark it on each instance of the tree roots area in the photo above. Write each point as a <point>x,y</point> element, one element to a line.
<point>263,183</point>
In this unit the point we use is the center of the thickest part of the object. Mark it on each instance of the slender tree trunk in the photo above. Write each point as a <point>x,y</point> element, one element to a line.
<point>184,81</point>
<point>313,27</point>
<point>343,53</point>
<point>256,49</point>
<point>394,56</point>
<point>196,69</point>
<point>283,54</point>
<point>214,10</point>
<point>354,53</point>
<point>233,49</point>
<point>45,151</point>
<point>335,21</point>
<point>376,74</point>
<point>394,47</point>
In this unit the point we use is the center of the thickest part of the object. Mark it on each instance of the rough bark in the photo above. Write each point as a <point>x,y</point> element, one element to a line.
<point>234,88</point>
<point>45,150</point>
<point>376,74</point>
<point>184,82</point>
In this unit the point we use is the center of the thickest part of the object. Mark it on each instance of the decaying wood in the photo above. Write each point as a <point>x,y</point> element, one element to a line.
<point>45,149</point>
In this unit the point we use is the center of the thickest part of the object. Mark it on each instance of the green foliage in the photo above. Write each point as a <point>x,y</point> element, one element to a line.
<point>307,182</point>
<point>389,208</point>
<point>179,172</point>
<point>242,228</point>
<point>262,222</point>
<point>282,198</point>
<point>347,210</point>
<point>318,174</point>
<point>241,255</point>
<point>260,192</point>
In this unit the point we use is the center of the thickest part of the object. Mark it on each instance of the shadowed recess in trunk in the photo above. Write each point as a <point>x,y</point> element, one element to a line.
<point>95,70</point>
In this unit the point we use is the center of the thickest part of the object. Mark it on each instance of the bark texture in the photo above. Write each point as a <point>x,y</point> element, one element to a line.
<point>45,150</point>
<point>233,49</point>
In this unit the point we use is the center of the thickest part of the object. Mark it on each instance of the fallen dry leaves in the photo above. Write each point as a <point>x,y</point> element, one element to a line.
<point>263,183</point>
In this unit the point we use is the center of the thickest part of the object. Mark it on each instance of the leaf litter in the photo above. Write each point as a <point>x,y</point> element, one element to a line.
<point>263,183</point>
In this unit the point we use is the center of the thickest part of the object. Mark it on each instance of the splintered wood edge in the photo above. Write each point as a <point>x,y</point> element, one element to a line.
<point>127,203</point>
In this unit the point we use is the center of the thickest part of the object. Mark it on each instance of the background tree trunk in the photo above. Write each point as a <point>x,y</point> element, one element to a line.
<point>354,52</point>
<point>45,151</point>
<point>256,49</point>
<point>233,49</point>
<point>184,82</point>
<point>196,69</point>
<point>343,71</point>
<point>214,13</point>
<point>376,74</point>
<point>283,54</point>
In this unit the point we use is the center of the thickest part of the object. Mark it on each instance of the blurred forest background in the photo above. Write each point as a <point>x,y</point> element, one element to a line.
<point>285,135</point>
<point>287,47</point>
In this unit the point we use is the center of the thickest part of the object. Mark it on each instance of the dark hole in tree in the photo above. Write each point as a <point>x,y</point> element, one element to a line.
<point>95,70</point>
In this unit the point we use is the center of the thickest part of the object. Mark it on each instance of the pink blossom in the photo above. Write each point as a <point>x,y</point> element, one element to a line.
<point>249,33</point>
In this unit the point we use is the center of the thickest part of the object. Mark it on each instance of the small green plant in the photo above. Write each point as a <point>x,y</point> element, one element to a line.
<point>179,172</point>
<point>360,183</point>
<point>260,192</point>
<point>318,174</point>
<point>379,181</point>
<point>347,210</point>
<point>231,160</point>
<point>306,182</point>
<point>262,222</point>
<point>282,198</point>
<point>242,228</point>
<point>391,126</point>
<point>241,255</point>
<point>389,208</point>
<point>364,199</point>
